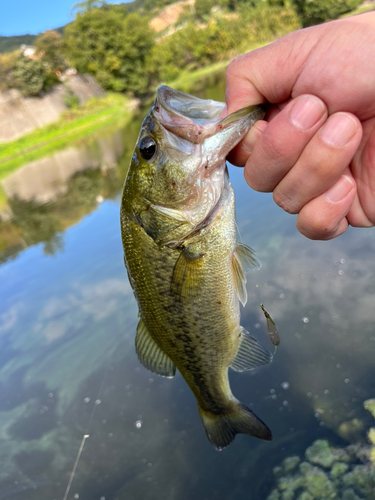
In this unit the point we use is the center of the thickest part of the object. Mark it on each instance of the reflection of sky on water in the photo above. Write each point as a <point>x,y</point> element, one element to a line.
<point>68,366</point>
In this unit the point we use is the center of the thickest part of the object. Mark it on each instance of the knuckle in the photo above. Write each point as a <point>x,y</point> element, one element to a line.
<point>234,68</point>
<point>254,178</point>
<point>316,225</point>
<point>285,202</point>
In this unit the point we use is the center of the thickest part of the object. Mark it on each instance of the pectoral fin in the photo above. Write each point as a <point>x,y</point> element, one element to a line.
<point>165,225</point>
<point>239,279</point>
<point>151,355</point>
<point>247,257</point>
<point>243,260</point>
<point>250,354</point>
<point>171,213</point>
<point>187,274</point>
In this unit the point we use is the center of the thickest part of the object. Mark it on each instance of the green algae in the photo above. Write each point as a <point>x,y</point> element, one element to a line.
<point>320,453</point>
<point>370,406</point>
<point>338,469</point>
<point>327,473</point>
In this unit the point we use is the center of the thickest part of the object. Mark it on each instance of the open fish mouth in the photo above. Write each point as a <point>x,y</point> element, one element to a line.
<point>195,119</point>
<point>200,111</point>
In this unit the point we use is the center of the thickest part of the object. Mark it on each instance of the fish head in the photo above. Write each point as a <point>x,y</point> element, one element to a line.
<point>179,159</point>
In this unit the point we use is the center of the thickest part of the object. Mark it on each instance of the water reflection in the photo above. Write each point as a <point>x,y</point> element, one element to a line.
<point>47,196</point>
<point>68,365</point>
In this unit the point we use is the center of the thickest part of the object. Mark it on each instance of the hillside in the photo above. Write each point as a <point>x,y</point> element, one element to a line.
<point>10,43</point>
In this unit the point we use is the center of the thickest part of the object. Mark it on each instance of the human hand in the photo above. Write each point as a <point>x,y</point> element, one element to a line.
<point>316,151</point>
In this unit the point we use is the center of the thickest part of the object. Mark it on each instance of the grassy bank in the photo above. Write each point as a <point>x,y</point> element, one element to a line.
<point>72,126</point>
<point>186,79</point>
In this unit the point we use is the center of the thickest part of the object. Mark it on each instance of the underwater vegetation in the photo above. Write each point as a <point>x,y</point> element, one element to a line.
<point>327,472</point>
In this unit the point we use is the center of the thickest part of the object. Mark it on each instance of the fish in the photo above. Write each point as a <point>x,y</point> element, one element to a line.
<point>184,262</point>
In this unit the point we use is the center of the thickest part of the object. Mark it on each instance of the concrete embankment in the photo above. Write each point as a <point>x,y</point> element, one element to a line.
<point>21,115</point>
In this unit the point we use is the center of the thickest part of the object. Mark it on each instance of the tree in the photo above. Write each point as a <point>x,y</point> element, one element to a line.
<point>203,8</point>
<point>111,47</point>
<point>317,11</point>
<point>7,64</point>
<point>28,75</point>
<point>87,5</point>
<point>50,46</point>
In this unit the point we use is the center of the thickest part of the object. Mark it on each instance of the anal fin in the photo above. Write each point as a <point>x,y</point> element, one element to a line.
<point>151,355</point>
<point>250,354</point>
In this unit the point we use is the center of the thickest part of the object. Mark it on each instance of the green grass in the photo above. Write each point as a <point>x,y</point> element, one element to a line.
<point>72,126</point>
<point>185,79</point>
<point>359,10</point>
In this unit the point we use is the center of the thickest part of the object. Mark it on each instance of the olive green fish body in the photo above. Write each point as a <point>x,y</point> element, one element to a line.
<point>183,259</point>
<point>189,327</point>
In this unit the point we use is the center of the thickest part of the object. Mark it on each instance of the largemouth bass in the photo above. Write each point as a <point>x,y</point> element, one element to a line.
<point>184,263</point>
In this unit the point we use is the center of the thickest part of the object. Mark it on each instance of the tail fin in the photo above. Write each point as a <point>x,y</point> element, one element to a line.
<point>222,429</point>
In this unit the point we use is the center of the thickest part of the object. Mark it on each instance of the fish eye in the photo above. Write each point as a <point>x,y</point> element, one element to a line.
<point>147,148</point>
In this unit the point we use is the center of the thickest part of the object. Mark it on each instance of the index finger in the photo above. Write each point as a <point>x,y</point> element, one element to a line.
<point>268,73</point>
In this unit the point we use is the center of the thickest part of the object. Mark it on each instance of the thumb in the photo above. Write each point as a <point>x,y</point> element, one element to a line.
<point>271,72</point>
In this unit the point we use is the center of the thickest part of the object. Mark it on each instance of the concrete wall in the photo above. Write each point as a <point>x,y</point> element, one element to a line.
<point>46,179</point>
<point>21,115</point>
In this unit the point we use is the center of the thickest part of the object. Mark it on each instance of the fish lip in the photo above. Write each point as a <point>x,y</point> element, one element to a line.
<point>195,119</point>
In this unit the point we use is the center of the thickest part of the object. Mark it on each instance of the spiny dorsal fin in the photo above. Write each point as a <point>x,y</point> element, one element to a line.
<point>186,274</point>
<point>151,355</point>
<point>239,279</point>
<point>247,257</point>
<point>250,354</point>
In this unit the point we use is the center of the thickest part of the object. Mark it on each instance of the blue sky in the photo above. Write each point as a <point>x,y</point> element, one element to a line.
<point>21,17</point>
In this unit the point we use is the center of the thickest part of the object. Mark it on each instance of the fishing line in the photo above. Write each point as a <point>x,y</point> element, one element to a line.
<point>87,435</point>
<point>75,466</point>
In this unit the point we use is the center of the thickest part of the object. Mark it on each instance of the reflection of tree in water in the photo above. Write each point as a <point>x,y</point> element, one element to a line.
<point>33,223</point>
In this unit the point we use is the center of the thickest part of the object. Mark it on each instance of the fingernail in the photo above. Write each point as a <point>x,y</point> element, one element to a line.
<point>340,190</point>
<point>339,129</point>
<point>306,112</point>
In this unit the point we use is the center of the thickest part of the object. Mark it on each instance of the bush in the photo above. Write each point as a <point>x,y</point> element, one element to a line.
<point>28,76</point>
<point>50,46</point>
<point>111,47</point>
<point>193,47</point>
<point>317,11</point>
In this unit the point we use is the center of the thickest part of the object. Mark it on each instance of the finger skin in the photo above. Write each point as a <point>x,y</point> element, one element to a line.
<point>362,212</point>
<point>334,62</point>
<point>319,60</point>
<point>321,163</point>
<point>282,143</point>
<point>324,219</point>
<point>240,156</point>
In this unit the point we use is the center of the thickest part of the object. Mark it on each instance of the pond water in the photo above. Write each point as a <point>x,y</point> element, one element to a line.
<point>68,367</point>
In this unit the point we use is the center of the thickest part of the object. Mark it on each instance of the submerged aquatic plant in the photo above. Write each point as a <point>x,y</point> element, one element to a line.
<point>327,472</point>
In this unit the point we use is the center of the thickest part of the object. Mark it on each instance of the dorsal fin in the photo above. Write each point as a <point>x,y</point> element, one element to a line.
<point>151,355</point>
<point>250,354</point>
